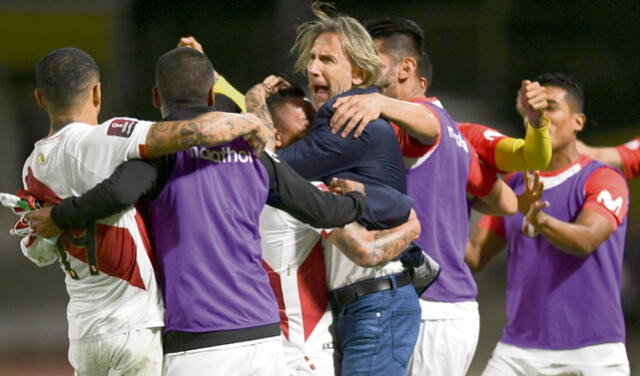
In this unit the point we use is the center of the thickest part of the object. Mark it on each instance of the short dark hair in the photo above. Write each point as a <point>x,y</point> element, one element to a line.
<point>184,76</point>
<point>276,99</point>
<point>568,83</point>
<point>64,75</point>
<point>402,37</point>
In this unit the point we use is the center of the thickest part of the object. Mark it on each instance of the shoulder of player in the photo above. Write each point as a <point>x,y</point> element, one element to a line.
<point>604,176</point>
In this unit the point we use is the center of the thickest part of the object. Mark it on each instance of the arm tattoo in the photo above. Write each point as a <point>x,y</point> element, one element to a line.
<point>257,105</point>
<point>372,248</point>
<point>210,129</point>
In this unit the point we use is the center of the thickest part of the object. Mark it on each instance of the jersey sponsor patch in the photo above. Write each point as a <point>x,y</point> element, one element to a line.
<point>121,127</point>
<point>607,200</point>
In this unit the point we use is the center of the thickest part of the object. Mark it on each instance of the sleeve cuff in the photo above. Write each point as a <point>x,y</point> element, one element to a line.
<point>546,122</point>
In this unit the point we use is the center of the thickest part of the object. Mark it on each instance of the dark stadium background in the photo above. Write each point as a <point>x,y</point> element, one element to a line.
<point>481,49</point>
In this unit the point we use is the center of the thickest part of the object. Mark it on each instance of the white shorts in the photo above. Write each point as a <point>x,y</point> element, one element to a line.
<point>263,357</point>
<point>135,353</point>
<point>315,356</point>
<point>598,360</point>
<point>446,344</point>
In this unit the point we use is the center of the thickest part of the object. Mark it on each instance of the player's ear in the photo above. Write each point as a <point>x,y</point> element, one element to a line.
<point>40,99</point>
<point>211,97</point>
<point>155,97</point>
<point>424,84</point>
<point>580,120</point>
<point>96,92</point>
<point>407,68</point>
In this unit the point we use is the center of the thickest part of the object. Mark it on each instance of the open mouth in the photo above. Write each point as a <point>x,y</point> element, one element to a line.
<point>320,90</point>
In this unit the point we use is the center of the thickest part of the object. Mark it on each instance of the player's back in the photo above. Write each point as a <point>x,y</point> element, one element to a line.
<point>204,226</point>
<point>109,273</point>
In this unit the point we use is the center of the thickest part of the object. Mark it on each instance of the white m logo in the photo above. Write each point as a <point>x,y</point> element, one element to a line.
<point>614,205</point>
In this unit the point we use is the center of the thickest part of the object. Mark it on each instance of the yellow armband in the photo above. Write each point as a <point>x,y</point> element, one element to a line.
<point>222,86</point>
<point>532,153</point>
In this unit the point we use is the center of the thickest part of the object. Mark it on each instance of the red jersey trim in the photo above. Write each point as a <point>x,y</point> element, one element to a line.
<point>410,146</point>
<point>484,139</point>
<point>142,150</point>
<point>493,224</point>
<point>481,177</point>
<point>582,160</point>
<point>606,192</point>
<point>630,157</point>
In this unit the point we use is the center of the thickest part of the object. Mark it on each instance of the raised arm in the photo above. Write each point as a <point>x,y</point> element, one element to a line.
<point>356,111</point>
<point>373,248</point>
<point>608,155</point>
<point>209,129</point>
<point>625,157</point>
<point>534,152</point>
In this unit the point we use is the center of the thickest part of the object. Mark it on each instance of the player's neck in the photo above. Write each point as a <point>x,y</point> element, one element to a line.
<point>563,157</point>
<point>408,90</point>
<point>167,109</point>
<point>61,118</point>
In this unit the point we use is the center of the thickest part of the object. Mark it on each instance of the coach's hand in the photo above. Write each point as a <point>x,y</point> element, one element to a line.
<point>355,112</point>
<point>344,186</point>
<point>41,223</point>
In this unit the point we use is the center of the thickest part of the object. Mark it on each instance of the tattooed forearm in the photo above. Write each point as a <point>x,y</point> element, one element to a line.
<point>256,100</point>
<point>373,248</point>
<point>210,129</point>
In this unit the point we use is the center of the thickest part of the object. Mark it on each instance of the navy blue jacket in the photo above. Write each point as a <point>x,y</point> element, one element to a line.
<point>374,159</point>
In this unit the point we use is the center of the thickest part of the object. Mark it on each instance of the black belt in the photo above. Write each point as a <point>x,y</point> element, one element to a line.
<point>347,294</point>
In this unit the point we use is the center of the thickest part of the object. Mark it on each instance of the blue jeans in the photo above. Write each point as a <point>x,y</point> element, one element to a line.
<point>377,332</point>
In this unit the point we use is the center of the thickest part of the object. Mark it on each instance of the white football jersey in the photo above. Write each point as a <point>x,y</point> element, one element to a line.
<point>109,272</point>
<point>293,257</point>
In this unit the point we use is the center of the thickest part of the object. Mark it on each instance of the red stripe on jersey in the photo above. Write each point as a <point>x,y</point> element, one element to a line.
<point>410,146</point>
<point>276,286</point>
<point>116,253</point>
<point>142,149</point>
<point>30,241</point>
<point>39,189</point>
<point>142,229</point>
<point>312,288</point>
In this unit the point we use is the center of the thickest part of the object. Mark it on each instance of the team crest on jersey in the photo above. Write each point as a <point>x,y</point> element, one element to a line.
<point>529,229</point>
<point>121,127</point>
